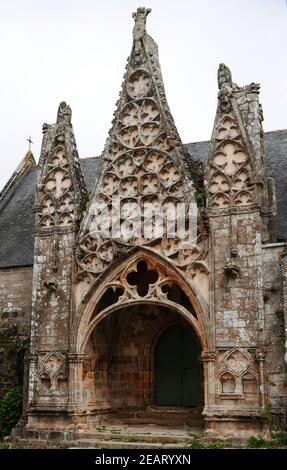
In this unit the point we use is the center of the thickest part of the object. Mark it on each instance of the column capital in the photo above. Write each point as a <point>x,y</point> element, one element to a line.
<point>208,355</point>
<point>76,357</point>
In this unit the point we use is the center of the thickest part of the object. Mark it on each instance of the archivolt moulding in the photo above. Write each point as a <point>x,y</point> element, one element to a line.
<point>121,279</point>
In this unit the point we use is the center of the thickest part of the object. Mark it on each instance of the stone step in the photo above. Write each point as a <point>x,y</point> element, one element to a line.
<point>114,444</point>
<point>144,437</point>
<point>167,418</point>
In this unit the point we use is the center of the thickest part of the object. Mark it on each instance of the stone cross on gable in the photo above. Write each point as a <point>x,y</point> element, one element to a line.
<point>30,142</point>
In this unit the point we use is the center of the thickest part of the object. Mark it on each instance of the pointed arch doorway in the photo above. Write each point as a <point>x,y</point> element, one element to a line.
<point>177,368</point>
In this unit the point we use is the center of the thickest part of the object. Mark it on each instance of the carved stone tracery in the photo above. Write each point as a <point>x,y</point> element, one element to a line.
<point>52,373</point>
<point>61,184</point>
<point>143,165</point>
<point>57,204</point>
<point>230,166</point>
<point>238,374</point>
<point>142,280</point>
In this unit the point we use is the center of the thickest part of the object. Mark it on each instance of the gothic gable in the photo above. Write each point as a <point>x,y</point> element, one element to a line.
<point>231,164</point>
<point>61,187</point>
<point>144,168</point>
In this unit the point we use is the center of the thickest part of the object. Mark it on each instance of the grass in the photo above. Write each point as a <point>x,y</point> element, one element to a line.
<point>132,439</point>
<point>196,443</point>
<point>115,431</point>
<point>280,438</point>
<point>278,441</point>
<point>101,429</point>
<point>4,445</point>
<point>169,441</point>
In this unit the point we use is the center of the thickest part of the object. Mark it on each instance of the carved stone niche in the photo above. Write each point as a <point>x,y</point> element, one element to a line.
<point>52,376</point>
<point>228,384</point>
<point>238,376</point>
<point>45,383</point>
<point>249,385</point>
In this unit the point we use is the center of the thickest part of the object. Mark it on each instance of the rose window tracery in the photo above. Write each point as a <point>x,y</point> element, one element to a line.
<point>139,84</point>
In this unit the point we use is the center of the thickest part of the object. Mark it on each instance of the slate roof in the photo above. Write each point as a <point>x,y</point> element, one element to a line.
<point>17,216</point>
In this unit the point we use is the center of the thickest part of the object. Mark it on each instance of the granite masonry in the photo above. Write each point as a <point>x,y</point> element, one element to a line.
<point>148,328</point>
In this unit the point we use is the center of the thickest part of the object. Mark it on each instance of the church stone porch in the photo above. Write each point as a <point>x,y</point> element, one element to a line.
<point>143,366</point>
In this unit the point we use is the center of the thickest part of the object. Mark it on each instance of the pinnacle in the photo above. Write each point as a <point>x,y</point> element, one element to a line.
<point>224,77</point>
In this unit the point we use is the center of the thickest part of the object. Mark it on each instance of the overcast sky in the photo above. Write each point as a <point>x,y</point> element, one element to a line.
<point>76,50</point>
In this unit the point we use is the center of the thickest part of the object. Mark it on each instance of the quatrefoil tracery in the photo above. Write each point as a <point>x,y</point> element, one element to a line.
<point>229,182</point>
<point>57,205</point>
<point>138,123</point>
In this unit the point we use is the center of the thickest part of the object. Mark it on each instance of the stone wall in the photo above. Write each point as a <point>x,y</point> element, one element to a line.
<point>238,281</point>
<point>275,334</point>
<point>15,308</point>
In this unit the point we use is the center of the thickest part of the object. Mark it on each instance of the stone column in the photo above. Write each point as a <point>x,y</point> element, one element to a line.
<point>208,359</point>
<point>31,360</point>
<point>262,379</point>
<point>75,361</point>
<point>283,264</point>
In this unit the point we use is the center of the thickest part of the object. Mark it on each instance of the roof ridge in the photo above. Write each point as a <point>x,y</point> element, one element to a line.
<point>276,130</point>
<point>90,158</point>
<point>24,166</point>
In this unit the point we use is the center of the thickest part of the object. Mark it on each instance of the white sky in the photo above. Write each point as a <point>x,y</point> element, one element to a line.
<point>76,50</point>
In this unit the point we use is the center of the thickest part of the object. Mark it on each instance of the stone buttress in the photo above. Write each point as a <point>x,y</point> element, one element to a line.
<point>60,195</point>
<point>241,218</point>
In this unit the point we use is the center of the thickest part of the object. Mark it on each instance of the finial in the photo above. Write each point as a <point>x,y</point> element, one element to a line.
<point>140,22</point>
<point>225,86</point>
<point>64,114</point>
<point>224,77</point>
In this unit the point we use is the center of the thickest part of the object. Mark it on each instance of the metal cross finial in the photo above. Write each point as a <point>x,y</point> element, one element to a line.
<point>30,142</point>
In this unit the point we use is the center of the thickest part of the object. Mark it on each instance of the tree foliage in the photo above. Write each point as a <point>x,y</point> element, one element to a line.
<point>10,409</point>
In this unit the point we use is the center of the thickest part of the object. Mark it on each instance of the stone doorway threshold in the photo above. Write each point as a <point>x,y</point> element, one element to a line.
<point>167,416</point>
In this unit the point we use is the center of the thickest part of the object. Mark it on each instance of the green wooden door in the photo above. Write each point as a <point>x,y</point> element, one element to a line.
<point>177,368</point>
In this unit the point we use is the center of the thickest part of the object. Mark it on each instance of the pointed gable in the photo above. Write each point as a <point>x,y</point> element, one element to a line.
<point>233,169</point>
<point>61,186</point>
<point>25,165</point>
<point>144,163</point>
